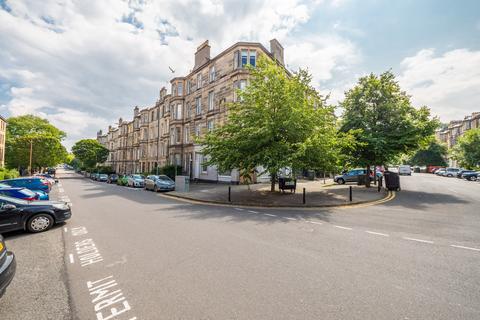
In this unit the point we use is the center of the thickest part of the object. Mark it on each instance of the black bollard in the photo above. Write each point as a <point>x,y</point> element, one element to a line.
<point>351,194</point>
<point>303,195</point>
<point>229,194</point>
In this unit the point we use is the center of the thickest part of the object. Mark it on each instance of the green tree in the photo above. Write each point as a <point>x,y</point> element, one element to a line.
<point>385,122</point>
<point>44,139</point>
<point>276,120</point>
<point>467,149</point>
<point>90,152</point>
<point>433,154</point>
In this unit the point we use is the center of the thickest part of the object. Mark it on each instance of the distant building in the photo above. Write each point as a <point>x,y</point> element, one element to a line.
<point>3,131</point>
<point>165,133</point>
<point>455,130</point>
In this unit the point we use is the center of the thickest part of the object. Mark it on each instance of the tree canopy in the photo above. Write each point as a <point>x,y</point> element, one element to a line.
<point>47,149</point>
<point>467,149</point>
<point>278,121</point>
<point>433,154</point>
<point>90,152</point>
<point>385,122</point>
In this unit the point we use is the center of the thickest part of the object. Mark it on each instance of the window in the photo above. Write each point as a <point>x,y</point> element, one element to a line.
<point>211,100</point>
<point>180,88</point>
<point>239,85</point>
<point>187,134</point>
<point>212,74</point>
<point>188,86</point>
<point>178,135</point>
<point>244,57</point>
<point>236,60</point>
<point>178,112</point>
<point>210,125</point>
<point>198,106</point>
<point>204,165</point>
<point>172,136</point>
<point>199,81</point>
<point>253,58</point>
<point>174,90</point>
<point>187,111</point>
<point>197,130</point>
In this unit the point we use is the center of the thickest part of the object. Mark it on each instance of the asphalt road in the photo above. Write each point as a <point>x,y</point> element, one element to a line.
<point>132,254</point>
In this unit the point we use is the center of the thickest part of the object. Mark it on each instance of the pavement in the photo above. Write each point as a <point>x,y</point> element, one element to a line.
<point>131,254</point>
<point>317,194</point>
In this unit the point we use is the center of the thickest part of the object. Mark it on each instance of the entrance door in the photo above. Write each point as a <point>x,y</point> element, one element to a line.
<point>198,161</point>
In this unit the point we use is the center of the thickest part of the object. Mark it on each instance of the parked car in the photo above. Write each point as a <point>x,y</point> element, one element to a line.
<point>471,176</point>
<point>48,177</point>
<point>404,170</point>
<point>451,172</point>
<point>122,181</point>
<point>8,266</point>
<point>42,195</point>
<point>440,172</point>
<point>19,193</point>
<point>102,177</point>
<point>462,171</point>
<point>113,178</point>
<point>34,216</point>
<point>159,183</point>
<point>32,183</point>
<point>352,176</point>
<point>135,180</point>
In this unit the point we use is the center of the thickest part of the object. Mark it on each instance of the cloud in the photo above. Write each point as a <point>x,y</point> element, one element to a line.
<point>447,83</point>
<point>84,64</point>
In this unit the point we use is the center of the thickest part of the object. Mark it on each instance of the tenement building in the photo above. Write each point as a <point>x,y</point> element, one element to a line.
<point>166,133</point>
<point>3,129</point>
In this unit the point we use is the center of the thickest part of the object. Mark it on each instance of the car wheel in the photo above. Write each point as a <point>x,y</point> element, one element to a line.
<point>155,188</point>
<point>341,181</point>
<point>40,222</point>
<point>473,178</point>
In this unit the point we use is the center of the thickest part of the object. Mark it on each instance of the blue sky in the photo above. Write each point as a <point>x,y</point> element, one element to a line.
<point>83,65</point>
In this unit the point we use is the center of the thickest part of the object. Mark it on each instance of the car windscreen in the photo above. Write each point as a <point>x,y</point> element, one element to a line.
<point>165,178</point>
<point>137,176</point>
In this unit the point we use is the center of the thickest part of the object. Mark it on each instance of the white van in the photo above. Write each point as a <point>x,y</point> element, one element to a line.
<point>404,170</point>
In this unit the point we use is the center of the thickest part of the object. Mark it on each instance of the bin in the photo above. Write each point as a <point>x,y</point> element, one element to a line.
<point>361,179</point>
<point>182,183</point>
<point>392,181</point>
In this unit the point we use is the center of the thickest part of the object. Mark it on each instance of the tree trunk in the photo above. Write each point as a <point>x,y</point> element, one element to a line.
<point>375,174</point>
<point>367,178</point>
<point>273,178</point>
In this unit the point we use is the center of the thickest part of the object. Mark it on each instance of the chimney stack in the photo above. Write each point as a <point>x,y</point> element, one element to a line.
<point>135,111</point>
<point>202,55</point>
<point>276,50</point>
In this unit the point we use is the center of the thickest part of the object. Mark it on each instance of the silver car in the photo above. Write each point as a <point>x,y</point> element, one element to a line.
<point>159,183</point>
<point>135,180</point>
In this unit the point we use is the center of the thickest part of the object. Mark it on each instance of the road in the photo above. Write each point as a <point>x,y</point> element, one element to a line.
<point>131,254</point>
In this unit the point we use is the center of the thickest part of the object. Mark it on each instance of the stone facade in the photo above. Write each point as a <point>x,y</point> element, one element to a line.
<point>165,133</point>
<point>456,129</point>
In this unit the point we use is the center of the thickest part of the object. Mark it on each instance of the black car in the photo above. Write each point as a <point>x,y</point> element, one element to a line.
<point>8,266</point>
<point>34,216</point>
<point>462,172</point>
<point>471,176</point>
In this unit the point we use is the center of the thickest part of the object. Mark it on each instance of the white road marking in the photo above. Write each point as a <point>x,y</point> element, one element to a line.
<point>418,240</point>
<point>314,222</point>
<point>65,229</point>
<point>70,256</point>
<point>251,211</point>
<point>270,215</point>
<point>462,247</point>
<point>346,228</point>
<point>61,190</point>
<point>290,218</point>
<point>378,233</point>
<point>238,209</point>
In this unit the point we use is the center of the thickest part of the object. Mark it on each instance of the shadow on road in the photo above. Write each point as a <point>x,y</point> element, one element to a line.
<point>421,200</point>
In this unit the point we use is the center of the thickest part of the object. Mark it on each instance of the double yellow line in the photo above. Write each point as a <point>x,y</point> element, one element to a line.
<point>391,195</point>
